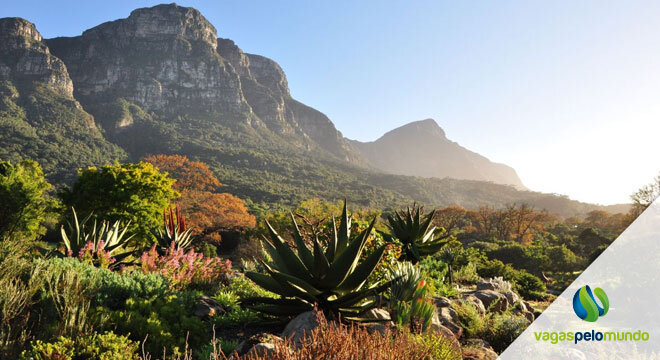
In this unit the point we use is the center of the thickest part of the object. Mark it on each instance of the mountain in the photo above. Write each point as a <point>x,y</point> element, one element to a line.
<point>162,81</point>
<point>39,116</point>
<point>421,148</point>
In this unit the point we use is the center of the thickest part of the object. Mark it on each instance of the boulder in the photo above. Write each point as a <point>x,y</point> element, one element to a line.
<point>441,301</point>
<point>445,332</point>
<point>207,307</point>
<point>381,327</point>
<point>511,297</point>
<point>376,314</point>
<point>490,297</point>
<point>447,317</point>
<point>479,343</point>
<point>263,342</point>
<point>529,316</point>
<point>478,353</point>
<point>301,325</point>
<point>485,285</point>
<point>478,304</point>
<point>262,349</point>
<point>529,306</point>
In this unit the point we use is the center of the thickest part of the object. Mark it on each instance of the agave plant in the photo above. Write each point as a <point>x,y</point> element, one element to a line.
<point>404,277</point>
<point>176,231</point>
<point>104,237</point>
<point>330,276</point>
<point>415,233</point>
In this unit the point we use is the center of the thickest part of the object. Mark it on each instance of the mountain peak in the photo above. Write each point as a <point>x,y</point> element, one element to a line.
<point>14,26</point>
<point>427,129</point>
<point>158,21</point>
<point>421,148</point>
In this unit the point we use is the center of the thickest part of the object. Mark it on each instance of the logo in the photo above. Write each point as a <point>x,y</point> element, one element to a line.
<point>585,305</point>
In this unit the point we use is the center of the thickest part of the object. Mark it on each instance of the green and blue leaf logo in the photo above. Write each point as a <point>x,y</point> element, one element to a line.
<point>585,305</point>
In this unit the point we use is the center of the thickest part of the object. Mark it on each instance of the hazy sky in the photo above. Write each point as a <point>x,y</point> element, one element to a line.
<point>566,92</point>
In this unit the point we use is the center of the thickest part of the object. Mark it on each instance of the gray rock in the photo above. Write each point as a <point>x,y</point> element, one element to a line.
<point>477,353</point>
<point>478,304</point>
<point>490,297</point>
<point>441,301</point>
<point>300,326</point>
<point>381,327</point>
<point>445,332</point>
<point>247,345</point>
<point>377,314</point>
<point>511,296</point>
<point>262,349</point>
<point>477,343</point>
<point>447,317</point>
<point>208,307</point>
<point>485,285</point>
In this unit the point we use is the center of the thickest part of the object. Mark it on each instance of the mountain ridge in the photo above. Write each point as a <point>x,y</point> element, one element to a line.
<point>162,81</point>
<point>421,148</point>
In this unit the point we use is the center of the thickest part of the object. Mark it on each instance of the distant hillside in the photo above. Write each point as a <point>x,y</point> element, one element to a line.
<point>161,81</point>
<point>421,149</point>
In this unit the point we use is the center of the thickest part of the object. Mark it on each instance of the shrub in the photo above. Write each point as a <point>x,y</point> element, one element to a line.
<point>500,284</point>
<point>186,269</point>
<point>347,342</point>
<point>106,346</point>
<point>167,321</point>
<point>469,318</point>
<point>23,202</point>
<point>72,297</point>
<point>530,258</point>
<point>134,193</point>
<point>503,329</point>
<point>467,274</point>
<point>529,286</point>
<point>19,284</point>
<point>563,259</point>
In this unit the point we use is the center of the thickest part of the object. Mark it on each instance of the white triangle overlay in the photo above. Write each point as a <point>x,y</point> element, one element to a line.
<point>629,272</point>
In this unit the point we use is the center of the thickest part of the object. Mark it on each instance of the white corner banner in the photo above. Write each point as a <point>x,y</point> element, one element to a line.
<point>611,311</point>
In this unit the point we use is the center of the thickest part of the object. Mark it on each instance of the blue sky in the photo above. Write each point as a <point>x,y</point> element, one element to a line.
<point>566,92</point>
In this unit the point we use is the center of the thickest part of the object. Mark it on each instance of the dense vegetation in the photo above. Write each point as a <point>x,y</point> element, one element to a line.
<point>128,271</point>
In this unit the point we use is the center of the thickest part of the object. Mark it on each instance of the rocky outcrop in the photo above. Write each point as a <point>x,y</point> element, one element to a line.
<point>301,326</point>
<point>266,90</point>
<point>26,59</point>
<point>163,59</point>
<point>168,60</point>
<point>421,148</point>
<point>39,117</point>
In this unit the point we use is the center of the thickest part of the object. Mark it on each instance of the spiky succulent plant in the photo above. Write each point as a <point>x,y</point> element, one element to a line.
<point>110,238</point>
<point>176,232</point>
<point>330,276</point>
<point>416,233</point>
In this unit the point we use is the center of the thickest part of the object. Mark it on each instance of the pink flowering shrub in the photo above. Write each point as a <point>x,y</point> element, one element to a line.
<point>186,269</point>
<point>95,255</point>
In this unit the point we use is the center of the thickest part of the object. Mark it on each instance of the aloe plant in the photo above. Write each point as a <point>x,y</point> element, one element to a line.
<point>176,231</point>
<point>329,276</point>
<point>110,238</point>
<point>416,233</point>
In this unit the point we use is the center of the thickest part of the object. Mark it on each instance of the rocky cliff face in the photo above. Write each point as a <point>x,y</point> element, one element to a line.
<point>169,61</point>
<point>421,148</point>
<point>39,117</point>
<point>26,58</point>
